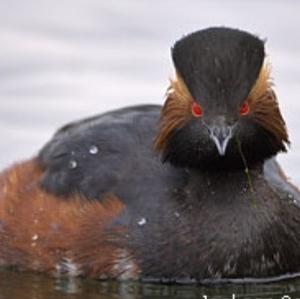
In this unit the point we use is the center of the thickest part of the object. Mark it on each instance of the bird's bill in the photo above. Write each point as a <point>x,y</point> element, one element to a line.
<point>221,135</point>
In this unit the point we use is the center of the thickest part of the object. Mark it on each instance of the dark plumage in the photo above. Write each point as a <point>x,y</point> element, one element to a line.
<point>218,208</point>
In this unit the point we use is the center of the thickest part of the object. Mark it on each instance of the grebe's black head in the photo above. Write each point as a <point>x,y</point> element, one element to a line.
<point>220,109</point>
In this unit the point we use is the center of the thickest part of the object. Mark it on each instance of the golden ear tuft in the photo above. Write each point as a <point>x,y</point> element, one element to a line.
<point>175,112</point>
<point>264,104</point>
<point>179,90</point>
<point>262,84</point>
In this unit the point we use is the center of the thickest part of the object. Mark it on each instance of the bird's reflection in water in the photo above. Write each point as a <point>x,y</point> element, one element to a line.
<point>15,285</point>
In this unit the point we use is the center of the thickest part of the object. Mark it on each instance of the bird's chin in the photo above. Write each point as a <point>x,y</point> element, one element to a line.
<point>212,159</point>
<point>221,163</point>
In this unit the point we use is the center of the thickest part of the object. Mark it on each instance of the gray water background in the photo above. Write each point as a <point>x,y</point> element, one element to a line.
<point>63,60</point>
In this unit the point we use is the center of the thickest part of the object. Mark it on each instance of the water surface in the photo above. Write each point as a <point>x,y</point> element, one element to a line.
<point>32,286</point>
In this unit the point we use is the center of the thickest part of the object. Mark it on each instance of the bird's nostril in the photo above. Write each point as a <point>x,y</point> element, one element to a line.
<point>221,132</point>
<point>226,131</point>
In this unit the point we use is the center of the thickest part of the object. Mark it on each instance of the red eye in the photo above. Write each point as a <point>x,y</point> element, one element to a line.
<point>245,108</point>
<point>197,110</point>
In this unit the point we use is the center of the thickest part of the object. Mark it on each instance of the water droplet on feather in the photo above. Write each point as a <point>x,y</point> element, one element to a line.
<point>142,221</point>
<point>93,150</point>
<point>73,164</point>
<point>35,237</point>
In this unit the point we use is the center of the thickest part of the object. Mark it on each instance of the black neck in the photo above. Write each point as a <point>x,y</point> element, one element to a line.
<point>224,185</point>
